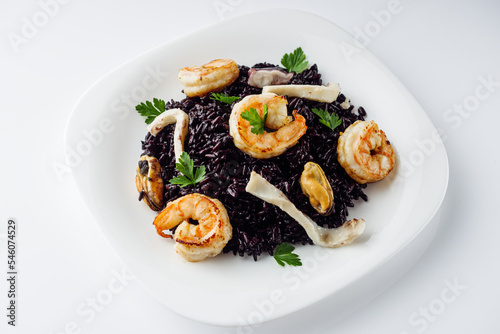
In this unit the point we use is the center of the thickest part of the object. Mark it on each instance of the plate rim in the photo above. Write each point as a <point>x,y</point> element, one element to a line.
<point>387,71</point>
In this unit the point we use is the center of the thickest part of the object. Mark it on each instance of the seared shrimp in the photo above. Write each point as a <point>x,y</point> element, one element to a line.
<point>267,144</point>
<point>365,153</point>
<point>211,77</point>
<point>205,239</point>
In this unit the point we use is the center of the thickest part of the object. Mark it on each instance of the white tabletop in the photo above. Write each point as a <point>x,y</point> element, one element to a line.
<point>70,281</point>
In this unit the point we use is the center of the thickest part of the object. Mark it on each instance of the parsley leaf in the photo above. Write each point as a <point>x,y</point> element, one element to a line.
<point>255,120</point>
<point>224,98</point>
<point>331,121</point>
<point>186,167</point>
<point>283,255</point>
<point>295,61</point>
<point>151,110</point>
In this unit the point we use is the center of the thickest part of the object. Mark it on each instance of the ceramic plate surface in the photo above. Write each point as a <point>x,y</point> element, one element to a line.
<point>103,146</point>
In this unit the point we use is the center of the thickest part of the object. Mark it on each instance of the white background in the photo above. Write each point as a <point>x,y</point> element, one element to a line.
<point>438,49</point>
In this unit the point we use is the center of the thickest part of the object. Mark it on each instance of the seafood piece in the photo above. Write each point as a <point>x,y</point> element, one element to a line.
<point>279,115</point>
<point>346,104</point>
<point>260,77</point>
<point>195,242</point>
<point>326,237</point>
<point>268,144</point>
<point>181,120</point>
<point>328,93</point>
<point>365,153</point>
<point>211,77</point>
<point>315,185</point>
<point>149,182</point>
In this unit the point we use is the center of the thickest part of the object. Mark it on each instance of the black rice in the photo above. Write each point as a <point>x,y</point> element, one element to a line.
<point>258,227</point>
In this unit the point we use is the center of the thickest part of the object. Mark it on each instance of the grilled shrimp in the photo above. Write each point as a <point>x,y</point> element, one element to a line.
<point>365,153</point>
<point>267,144</point>
<point>211,77</point>
<point>196,242</point>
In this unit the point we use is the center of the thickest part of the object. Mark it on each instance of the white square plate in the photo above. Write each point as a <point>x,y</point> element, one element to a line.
<point>103,146</point>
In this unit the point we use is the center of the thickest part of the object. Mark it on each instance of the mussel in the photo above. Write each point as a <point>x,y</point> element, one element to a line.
<point>149,182</point>
<point>315,185</point>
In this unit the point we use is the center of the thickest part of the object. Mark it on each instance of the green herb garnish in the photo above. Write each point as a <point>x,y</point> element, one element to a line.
<point>224,98</point>
<point>283,255</point>
<point>186,167</point>
<point>255,120</point>
<point>330,120</point>
<point>295,61</point>
<point>151,110</point>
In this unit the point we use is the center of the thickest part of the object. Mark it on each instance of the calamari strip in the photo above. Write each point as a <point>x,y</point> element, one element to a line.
<point>318,93</point>
<point>326,237</point>
<point>181,120</point>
